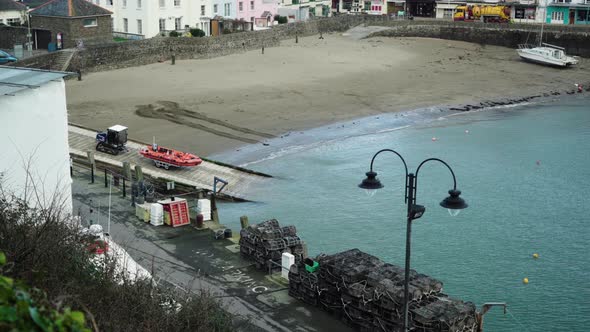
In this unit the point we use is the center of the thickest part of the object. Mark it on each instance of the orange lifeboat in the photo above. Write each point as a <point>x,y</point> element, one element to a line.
<point>165,157</point>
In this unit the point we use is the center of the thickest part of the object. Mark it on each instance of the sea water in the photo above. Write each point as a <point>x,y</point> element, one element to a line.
<point>524,171</point>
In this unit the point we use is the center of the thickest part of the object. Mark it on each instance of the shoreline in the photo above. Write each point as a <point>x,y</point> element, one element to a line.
<point>251,154</point>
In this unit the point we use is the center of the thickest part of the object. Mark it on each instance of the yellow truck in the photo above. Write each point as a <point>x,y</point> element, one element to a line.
<point>500,14</point>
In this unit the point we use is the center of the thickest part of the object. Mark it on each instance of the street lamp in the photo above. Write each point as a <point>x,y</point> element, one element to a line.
<point>453,203</point>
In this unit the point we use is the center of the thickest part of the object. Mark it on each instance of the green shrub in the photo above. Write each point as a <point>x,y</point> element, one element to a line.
<point>174,34</point>
<point>282,19</point>
<point>197,33</point>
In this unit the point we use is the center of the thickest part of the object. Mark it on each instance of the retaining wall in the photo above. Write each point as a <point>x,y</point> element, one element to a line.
<point>576,40</point>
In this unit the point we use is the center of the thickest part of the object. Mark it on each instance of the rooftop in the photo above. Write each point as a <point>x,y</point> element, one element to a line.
<point>69,8</point>
<point>14,79</point>
<point>11,5</point>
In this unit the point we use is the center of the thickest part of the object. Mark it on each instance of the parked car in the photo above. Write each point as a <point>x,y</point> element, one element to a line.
<point>6,57</point>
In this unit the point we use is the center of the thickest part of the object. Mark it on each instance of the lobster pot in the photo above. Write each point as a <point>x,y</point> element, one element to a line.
<point>265,243</point>
<point>157,214</point>
<point>204,208</point>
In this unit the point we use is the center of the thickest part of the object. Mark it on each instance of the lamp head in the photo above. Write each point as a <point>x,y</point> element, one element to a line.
<point>454,203</point>
<point>417,211</point>
<point>371,182</point>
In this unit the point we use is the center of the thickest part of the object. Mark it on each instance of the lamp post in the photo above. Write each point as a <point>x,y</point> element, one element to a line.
<point>453,203</point>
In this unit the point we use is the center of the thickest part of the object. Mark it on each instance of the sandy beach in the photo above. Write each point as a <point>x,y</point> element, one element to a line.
<point>207,106</point>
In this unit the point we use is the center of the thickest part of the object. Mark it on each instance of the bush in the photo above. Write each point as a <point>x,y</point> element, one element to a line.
<point>50,254</point>
<point>281,19</point>
<point>174,34</point>
<point>197,33</point>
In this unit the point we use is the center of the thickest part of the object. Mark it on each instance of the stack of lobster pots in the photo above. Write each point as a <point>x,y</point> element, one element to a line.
<point>264,243</point>
<point>369,294</point>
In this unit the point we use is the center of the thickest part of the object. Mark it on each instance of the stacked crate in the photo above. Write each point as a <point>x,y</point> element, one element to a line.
<point>369,294</point>
<point>267,241</point>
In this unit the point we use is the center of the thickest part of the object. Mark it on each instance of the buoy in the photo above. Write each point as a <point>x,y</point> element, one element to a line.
<point>434,139</point>
<point>538,162</point>
<point>466,131</point>
<point>525,281</point>
<point>535,255</point>
<point>580,88</point>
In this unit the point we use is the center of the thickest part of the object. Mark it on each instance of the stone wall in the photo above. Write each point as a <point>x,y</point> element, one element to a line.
<point>109,56</point>
<point>46,61</point>
<point>575,40</point>
<point>9,36</point>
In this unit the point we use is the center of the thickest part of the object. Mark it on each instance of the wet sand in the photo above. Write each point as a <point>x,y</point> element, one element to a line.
<point>213,105</point>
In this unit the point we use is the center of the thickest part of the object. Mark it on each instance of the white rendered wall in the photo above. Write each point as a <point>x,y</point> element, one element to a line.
<point>34,135</point>
<point>5,15</point>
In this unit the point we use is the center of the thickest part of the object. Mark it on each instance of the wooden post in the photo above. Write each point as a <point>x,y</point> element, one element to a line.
<point>214,215</point>
<point>138,173</point>
<point>244,221</point>
<point>127,170</point>
<point>90,155</point>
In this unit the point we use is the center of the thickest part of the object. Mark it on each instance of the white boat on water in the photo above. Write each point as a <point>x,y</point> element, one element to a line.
<point>546,54</point>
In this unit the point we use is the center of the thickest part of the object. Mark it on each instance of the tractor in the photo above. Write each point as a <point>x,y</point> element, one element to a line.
<point>113,140</point>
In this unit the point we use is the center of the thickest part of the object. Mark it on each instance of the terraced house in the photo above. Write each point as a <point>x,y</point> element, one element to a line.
<point>12,12</point>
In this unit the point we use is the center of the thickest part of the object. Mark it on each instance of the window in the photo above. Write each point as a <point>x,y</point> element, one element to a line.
<point>582,15</point>
<point>178,23</point>
<point>252,19</point>
<point>162,3</point>
<point>215,9</point>
<point>557,16</point>
<point>139,27</point>
<point>251,5</point>
<point>176,3</point>
<point>125,25</point>
<point>241,6</point>
<point>162,24</point>
<point>138,4</point>
<point>226,9</point>
<point>124,3</point>
<point>203,10</point>
<point>110,2</point>
<point>16,21</point>
<point>87,22</point>
<point>448,13</point>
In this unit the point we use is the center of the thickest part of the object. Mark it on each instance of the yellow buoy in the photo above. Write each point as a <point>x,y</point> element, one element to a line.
<point>535,255</point>
<point>525,281</point>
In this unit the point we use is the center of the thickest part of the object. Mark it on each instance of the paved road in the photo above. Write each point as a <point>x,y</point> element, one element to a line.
<point>193,260</point>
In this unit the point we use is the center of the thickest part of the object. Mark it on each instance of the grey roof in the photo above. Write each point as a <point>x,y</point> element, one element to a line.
<point>14,79</point>
<point>69,8</point>
<point>11,5</point>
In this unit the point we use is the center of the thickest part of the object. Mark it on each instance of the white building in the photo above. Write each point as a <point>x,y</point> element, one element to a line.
<point>34,125</point>
<point>12,12</point>
<point>302,10</point>
<point>150,18</point>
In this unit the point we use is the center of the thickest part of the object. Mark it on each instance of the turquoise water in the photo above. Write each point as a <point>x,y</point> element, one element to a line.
<point>525,172</point>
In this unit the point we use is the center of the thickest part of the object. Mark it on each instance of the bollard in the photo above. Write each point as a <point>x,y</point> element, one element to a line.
<point>92,173</point>
<point>244,221</point>
<point>79,75</point>
<point>173,59</point>
<point>262,49</point>
<point>106,182</point>
<point>296,38</point>
<point>124,192</point>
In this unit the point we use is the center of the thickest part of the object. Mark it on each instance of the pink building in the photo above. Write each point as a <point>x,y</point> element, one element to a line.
<point>260,12</point>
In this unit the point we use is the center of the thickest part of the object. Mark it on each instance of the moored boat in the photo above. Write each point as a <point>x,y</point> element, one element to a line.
<point>166,157</point>
<point>546,54</point>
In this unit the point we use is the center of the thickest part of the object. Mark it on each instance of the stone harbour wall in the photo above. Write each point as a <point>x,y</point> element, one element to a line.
<point>108,56</point>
